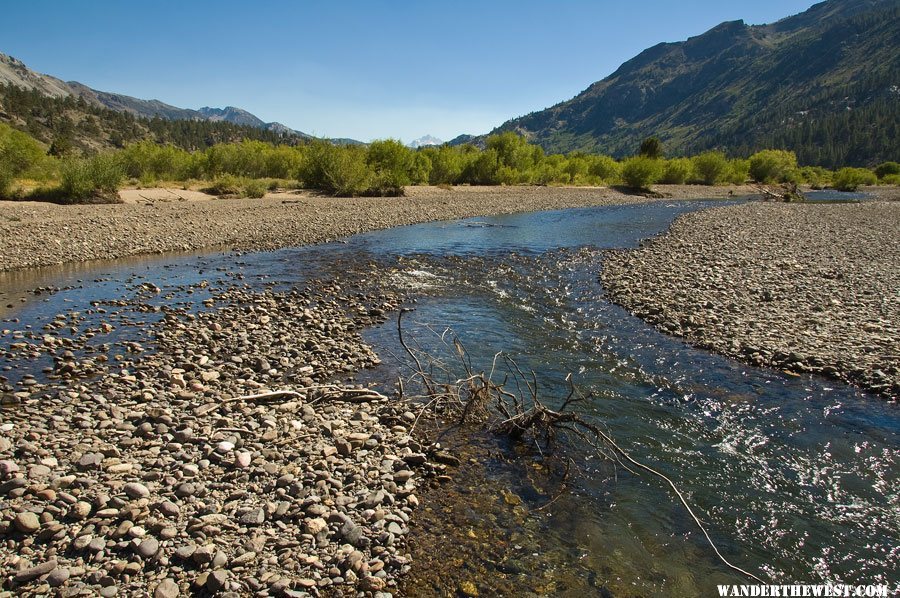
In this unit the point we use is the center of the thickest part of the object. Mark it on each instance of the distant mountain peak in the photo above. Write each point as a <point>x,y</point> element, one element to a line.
<point>13,71</point>
<point>425,141</point>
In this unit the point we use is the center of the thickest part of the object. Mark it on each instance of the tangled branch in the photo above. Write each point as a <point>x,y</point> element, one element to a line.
<point>521,414</point>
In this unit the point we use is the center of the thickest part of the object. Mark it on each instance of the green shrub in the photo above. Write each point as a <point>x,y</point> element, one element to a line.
<point>550,172</point>
<point>640,172</point>
<point>283,162</point>
<point>382,184</point>
<point>6,181</point>
<point>677,171</point>
<point>482,170</point>
<point>229,185</point>
<point>651,147</point>
<point>850,179</point>
<point>891,179</point>
<point>576,166</point>
<point>83,178</point>
<point>816,176</point>
<point>513,151</point>
<point>255,188</point>
<point>18,151</point>
<point>506,176</point>
<point>105,173</point>
<point>225,184</point>
<point>887,169</point>
<point>738,171</point>
<point>604,168</point>
<point>710,168</point>
<point>19,154</point>
<point>421,169</point>
<point>446,165</point>
<point>771,166</point>
<point>391,162</point>
<point>151,162</point>
<point>192,166</point>
<point>337,170</point>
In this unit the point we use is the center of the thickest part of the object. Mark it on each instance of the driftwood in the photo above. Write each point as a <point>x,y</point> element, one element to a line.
<point>520,414</point>
<point>331,392</point>
<point>787,192</point>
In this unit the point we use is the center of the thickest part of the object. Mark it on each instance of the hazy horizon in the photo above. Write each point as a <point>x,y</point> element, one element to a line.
<point>363,71</point>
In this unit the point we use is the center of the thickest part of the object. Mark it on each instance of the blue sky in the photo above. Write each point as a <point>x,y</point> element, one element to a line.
<point>364,70</point>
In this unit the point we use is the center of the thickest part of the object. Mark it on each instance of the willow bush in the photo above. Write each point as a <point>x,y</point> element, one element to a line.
<point>385,167</point>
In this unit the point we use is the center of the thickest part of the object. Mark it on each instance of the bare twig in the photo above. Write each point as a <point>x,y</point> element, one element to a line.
<point>563,486</point>
<point>330,391</point>
<point>527,415</point>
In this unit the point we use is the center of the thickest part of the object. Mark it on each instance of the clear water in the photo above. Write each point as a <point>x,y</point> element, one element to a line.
<point>796,477</point>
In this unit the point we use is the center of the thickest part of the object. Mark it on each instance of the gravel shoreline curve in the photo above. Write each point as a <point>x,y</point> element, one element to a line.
<point>39,234</point>
<point>152,469</point>
<point>806,288</point>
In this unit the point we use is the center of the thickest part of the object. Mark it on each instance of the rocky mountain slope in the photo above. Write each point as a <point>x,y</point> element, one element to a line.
<point>15,72</point>
<point>825,83</point>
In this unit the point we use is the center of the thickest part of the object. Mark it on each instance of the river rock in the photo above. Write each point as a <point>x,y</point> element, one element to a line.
<point>58,577</point>
<point>27,522</point>
<point>31,573</point>
<point>167,588</point>
<point>242,459</point>
<point>136,490</point>
<point>148,548</point>
<point>80,510</point>
<point>217,580</point>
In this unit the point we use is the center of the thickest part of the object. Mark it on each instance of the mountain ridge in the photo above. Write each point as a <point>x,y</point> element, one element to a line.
<point>741,87</point>
<point>14,71</point>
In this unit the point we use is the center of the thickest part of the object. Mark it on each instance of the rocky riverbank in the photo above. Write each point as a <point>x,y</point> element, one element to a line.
<point>807,288</point>
<point>137,468</point>
<point>39,234</point>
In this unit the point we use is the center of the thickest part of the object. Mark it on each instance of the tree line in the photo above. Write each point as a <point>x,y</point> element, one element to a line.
<point>70,125</point>
<point>383,168</point>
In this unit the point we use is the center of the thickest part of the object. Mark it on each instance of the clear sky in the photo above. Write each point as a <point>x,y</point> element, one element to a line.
<point>363,70</point>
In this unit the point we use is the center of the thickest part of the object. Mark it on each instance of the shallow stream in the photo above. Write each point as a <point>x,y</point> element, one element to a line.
<point>797,478</point>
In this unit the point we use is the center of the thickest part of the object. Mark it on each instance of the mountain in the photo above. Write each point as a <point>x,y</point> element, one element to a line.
<point>14,72</point>
<point>466,138</point>
<point>239,116</point>
<point>424,142</point>
<point>823,83</point>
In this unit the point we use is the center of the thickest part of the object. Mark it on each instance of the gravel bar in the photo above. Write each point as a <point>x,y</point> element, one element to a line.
<point>806,288</point>
<point>40,234</point>
<point>140,469</point>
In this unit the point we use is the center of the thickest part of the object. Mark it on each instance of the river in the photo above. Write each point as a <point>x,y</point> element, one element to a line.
<point>796,477</point>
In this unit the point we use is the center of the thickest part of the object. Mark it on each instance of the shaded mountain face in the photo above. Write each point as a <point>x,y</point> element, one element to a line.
<point>823,83</point>
<point>13,71</point>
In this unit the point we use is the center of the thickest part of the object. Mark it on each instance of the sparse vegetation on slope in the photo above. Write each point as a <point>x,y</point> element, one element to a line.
<point>73,125</point>
<point>822,84</point>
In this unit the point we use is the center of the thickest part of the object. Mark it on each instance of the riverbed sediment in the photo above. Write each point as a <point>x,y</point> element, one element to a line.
<point>41,234</point>
<point>137,468</point>
<point>806,288</point>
